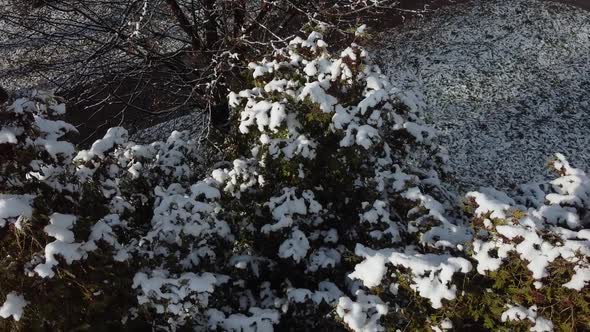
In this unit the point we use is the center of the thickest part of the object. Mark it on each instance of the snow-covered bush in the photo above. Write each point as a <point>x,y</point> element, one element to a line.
<point>323,151</point>
<point>533,250</point>
<point>346,185</point>
<point>71,220</point>
<point>42,205</point>
<point>325,210</point>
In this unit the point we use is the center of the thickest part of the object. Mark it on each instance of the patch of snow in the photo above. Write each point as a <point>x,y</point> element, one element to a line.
<point>580,278</point>
<point>15,206</point>
<point>518,312</point>
<point>173,294</point>
<point>295,247</point>
<point>259,320</point>
<point>362,315</point>
<point>490,200</point>
<point>8,135</point>
<point>114,136</point>
<point>60,227</point>
<point>432,274</point>
<point>13,306</point>
<point>445,325</point>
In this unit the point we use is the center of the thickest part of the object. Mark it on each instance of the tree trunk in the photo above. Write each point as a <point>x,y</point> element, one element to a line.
<point>3,95</point>
<point>184,24</point>
<point>211,36</point>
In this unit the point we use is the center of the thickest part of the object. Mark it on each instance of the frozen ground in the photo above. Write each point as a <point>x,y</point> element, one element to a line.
<point>507,83</point>
<point>194,122</point>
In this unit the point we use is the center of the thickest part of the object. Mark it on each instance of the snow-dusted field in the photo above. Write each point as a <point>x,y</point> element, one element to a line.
<point>507,83</point>
<point>194,123</point>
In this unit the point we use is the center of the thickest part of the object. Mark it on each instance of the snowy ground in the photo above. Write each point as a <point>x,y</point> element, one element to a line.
<point>194,122</point>
<point>507,82</point>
